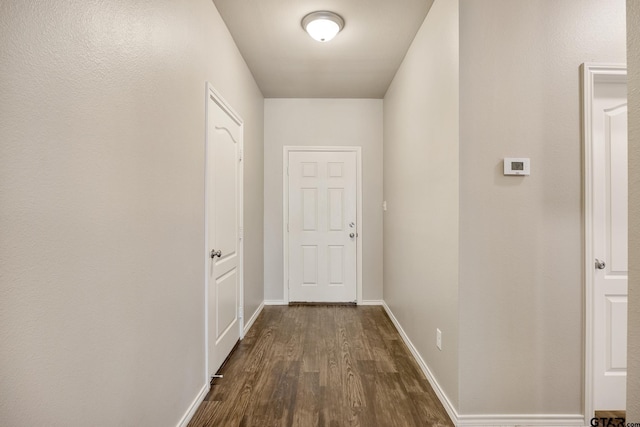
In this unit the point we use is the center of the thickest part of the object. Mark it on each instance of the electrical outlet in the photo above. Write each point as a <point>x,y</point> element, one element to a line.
<point>439,339</point>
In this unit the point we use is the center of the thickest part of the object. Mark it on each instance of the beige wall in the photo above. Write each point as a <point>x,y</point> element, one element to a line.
<point>633,70</point>
<point>421,190</point>
<point>308,122</point>
<point>521,269</point>
<point>101,195</point>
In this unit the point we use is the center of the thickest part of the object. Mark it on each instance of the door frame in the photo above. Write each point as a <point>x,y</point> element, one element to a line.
<point>213,95</point>
<point>591,74</point>
<point>285,211</point>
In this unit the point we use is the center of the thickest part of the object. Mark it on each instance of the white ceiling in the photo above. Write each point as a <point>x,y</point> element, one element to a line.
<point>359,63</point>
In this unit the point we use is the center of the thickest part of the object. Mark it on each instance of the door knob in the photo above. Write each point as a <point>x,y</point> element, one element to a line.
<point>600,265</point>
<point>352,235</point>
<point>215,253</point>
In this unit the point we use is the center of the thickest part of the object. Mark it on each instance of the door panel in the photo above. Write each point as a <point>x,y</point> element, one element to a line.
<point>309,265</point>
<point>610,244</point>
<point>322,215</point>
<point>227,301</point>
<point>616,143</point>
<point>336,209</point>
<point>616,320</point>
<point>224,135</point>
<point>336,265</point>
<point>310,209</point>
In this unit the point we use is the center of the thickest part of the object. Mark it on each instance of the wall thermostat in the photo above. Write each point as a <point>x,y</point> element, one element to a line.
<point>517,166</point>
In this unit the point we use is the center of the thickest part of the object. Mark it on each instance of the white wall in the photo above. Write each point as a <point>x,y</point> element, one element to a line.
<point>521,269</point>
<point>633,70</point>
<point>421,190</point>
<point>101,194</point>
<point>338,122</point>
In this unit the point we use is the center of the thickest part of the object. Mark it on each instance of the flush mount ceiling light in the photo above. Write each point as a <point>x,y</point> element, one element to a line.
<point>322,25</point>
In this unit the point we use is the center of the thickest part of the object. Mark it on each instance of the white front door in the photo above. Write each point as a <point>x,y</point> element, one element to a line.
<point>609,157</point>
<point>224,138</point>
<point>322,229</point>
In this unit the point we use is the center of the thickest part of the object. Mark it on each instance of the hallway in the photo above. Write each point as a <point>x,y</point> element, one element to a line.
<point>321,366</point>
<point>105,248</point>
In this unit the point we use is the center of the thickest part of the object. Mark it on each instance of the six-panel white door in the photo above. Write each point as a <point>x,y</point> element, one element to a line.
<point>322,227</point>
<point>610,244</point>
<point>224,135</point>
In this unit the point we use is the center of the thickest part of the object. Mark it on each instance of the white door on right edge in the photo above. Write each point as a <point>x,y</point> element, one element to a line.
<point>610,244</point>
<point>322,226</point>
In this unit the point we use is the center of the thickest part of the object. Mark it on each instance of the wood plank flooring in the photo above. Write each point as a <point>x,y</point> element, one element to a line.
<point>611,414</point>
<point>321,366</point>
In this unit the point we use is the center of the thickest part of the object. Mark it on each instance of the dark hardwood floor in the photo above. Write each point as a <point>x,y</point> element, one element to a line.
<point>321,366</point>
<point>611,414</point>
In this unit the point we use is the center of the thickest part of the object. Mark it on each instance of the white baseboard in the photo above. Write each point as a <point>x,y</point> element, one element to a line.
<point>205,389</point>
<point>194,406</point>
<point>363,302</point>
<point>520,420</point>
<point>249,324</point>
<point>448,406</point>
<point>371,302</point>
<point>493,420</point>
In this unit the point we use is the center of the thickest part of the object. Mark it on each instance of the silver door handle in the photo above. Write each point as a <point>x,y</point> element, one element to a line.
<point>352,235</point>
<point>600,265</point>
<point>215,253</point>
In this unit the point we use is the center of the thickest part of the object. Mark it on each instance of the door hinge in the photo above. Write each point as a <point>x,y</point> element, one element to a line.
<point>240,312</point>
<point>240,233</point>
<point>241,155</point>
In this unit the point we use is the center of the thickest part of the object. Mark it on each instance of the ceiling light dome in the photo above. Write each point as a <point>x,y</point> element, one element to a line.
<point>322,25</point>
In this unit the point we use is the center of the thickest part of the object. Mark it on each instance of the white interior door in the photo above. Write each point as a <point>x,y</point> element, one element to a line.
<point>224,138</point>
<point>322,229</point>
<point>609,157</point>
